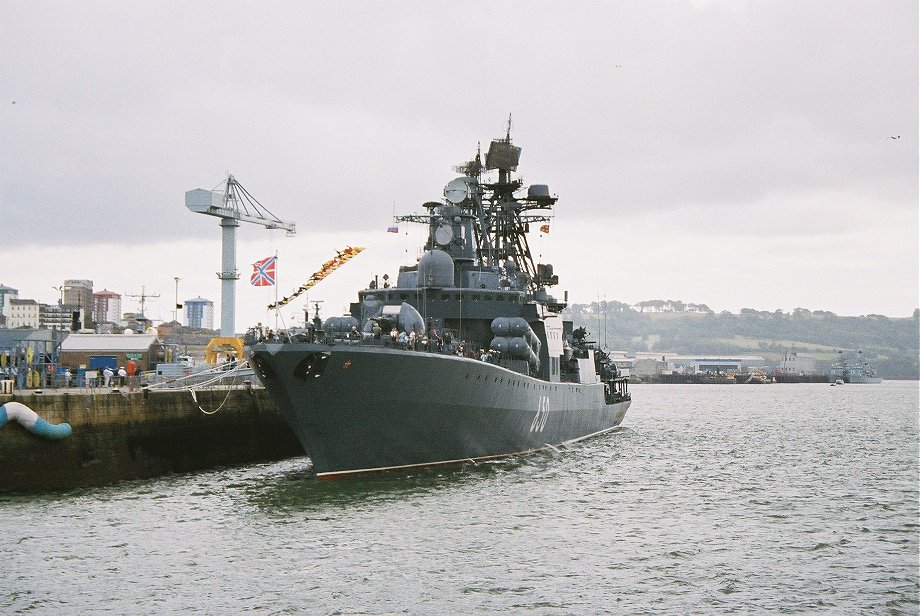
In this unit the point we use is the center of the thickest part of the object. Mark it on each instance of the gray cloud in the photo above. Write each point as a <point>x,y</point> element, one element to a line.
<point>331,113</point>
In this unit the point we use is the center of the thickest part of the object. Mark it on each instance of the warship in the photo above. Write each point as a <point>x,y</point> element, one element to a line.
<point>465,358</point>
<point>860,371</point>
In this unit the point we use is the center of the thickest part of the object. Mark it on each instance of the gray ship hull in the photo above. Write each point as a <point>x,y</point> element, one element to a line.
<point>358,409</point>
<point>859,378</point>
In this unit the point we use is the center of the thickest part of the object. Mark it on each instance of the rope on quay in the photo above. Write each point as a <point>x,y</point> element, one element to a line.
<point>214,377</point>
<point>195,398</point>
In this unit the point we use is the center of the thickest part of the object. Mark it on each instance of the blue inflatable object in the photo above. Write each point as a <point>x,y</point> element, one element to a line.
<point>30,420</point>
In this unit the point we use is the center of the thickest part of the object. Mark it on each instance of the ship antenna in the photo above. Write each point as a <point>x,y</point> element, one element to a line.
<point>478,160</point>
<point>508,134</point>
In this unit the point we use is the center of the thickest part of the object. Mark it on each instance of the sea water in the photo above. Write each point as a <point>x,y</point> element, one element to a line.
<point>742,499</point>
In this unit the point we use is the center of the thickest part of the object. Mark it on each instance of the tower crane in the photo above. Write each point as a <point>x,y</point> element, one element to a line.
<point>232,205</point>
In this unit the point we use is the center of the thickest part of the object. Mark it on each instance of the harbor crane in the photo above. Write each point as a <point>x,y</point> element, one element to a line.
<point>232,205</point>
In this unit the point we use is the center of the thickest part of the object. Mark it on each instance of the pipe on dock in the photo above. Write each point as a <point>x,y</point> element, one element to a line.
<point>30,420</point>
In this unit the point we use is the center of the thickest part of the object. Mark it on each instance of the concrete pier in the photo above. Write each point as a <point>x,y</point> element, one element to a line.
<point>119,435</point>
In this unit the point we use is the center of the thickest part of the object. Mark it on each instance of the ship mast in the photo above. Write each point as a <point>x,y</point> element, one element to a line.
<point>509,217</point>
<point>499,220</point>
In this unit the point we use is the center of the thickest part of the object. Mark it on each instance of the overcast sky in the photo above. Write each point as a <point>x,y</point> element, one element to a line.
<point>758,154</point>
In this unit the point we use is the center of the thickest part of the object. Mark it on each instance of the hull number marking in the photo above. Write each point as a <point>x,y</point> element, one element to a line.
<point>539,420</point>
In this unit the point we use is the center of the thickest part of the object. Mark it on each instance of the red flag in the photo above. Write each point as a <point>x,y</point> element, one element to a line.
<point>544,228</point>
<point>263,274</point>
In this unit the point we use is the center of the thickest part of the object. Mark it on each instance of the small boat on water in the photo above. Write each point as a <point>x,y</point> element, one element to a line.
<point>466,358</point>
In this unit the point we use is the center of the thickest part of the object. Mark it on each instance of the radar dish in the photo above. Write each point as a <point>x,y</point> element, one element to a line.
<point>443,235</point>
<point>457,190</point>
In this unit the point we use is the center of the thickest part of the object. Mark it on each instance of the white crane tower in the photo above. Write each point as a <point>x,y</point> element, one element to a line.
<point>232,205</point>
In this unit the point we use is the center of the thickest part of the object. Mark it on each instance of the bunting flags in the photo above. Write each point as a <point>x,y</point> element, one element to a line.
<point>393,229</point>
<point>341,257</point>
<point>263,274</point>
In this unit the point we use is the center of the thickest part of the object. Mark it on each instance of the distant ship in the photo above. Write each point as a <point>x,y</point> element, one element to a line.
<point>858,372</point>
<point>466,358</point>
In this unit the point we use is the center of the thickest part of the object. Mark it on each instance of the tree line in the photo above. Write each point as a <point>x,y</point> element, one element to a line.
<point>890,344</point>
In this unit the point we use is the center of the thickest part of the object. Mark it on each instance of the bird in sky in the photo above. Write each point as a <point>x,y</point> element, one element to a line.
<point>898,137</point>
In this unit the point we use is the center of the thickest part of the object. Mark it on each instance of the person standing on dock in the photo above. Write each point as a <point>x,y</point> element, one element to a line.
<point>107,375</point>
<point>132,374</point>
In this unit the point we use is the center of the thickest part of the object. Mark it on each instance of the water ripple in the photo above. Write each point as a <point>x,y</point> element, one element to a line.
<point>712,499</point>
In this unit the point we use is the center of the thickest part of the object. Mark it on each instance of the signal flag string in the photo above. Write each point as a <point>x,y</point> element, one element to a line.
<point>342,256</point>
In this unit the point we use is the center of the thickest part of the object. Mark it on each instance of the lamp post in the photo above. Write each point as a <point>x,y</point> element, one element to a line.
<point>176,303</point>
<point>63,288</point>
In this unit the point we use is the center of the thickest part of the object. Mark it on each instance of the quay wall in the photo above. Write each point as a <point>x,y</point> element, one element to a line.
<point>120,435</point>
<point>724,380</point>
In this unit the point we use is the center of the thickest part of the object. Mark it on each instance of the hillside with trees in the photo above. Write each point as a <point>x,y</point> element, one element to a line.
<point>892,345</point>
